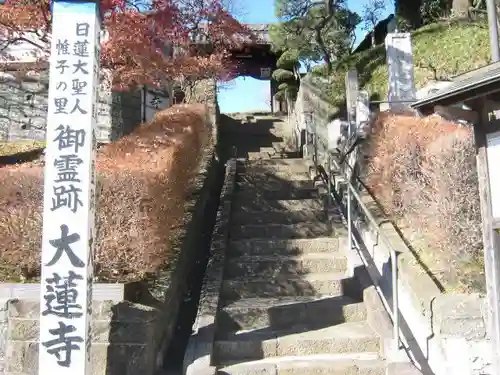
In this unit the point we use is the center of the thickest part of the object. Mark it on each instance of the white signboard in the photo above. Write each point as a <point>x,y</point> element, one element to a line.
<point>493,156</point>
<point>400,65</point>
<point>335,133</point>
<point>362,113</point>
<point>69,191</point>
<point>351,87</point>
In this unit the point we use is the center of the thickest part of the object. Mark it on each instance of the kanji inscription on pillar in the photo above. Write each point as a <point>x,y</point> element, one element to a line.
<point>69,189</point>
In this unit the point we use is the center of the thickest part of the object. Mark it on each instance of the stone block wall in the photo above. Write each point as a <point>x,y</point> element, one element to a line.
<point>23,109</point>
<point>199,350</point>
<point>437,325</point>
<point>311,100</point>
<point>119,113</point>
<point>124,337</point>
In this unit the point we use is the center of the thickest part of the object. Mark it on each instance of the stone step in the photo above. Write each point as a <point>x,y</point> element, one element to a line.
<point>284,247</point>
<point>271,193</point>
<point>274,185</point>
<point>279,164</point>
<point>297,230</point>
<point>279,145</point>
<point>402,369</point>
<point>285,161</point>
<point>269,150</point>
<point>252,155</point>
<point>260,174</point>
<point>283,146</point>
<point>279,217</point>
<point>285,312</point>
<point>278,205</point>
<point>273,266</point>
<point>326,284</point>
<point>351,337</point>
<point>329,364</point>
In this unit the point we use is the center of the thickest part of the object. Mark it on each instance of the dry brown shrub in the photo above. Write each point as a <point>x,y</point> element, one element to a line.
<point>143,180</point>
<point>21,197</point>
<point>423,171</point>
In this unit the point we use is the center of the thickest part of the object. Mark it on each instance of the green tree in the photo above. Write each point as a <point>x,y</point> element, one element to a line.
<point>408,13</point>
<point>372,13</point>
<point>314,31</point>
<point>415,13</point>
<point>288,77</point>
<point>433,10</point>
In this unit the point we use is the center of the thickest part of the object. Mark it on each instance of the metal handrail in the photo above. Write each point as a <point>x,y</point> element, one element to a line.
<point>351,190</point>
<point>394,312</point>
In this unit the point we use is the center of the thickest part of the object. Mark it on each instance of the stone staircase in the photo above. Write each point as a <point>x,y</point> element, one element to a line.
<point>288,302</point>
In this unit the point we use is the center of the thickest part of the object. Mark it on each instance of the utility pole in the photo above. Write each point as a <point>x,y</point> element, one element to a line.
<point>493,26</point>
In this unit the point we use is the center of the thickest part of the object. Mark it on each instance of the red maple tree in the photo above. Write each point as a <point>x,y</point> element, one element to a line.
<point>139,35</point>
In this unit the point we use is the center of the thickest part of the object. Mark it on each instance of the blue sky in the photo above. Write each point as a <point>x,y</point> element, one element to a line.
<point>247,94</point>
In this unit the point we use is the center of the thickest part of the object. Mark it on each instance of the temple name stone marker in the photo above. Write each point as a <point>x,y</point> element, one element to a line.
<point>352,88</point>
<point>400,64</point>
<point>363,113</point>
<point>69,190</point>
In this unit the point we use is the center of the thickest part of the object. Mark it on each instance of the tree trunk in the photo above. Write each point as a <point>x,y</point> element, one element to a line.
<point>319,38</point>
<point>296,73</point>
<point>324,50</point>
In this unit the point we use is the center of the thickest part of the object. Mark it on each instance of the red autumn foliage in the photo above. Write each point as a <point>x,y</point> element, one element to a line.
<point>138,33</point>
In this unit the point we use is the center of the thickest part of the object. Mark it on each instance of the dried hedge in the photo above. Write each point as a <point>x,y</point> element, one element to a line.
<point>423,172</point>
<point>142,183</point>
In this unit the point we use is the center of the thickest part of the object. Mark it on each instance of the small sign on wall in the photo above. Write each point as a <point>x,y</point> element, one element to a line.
<point>156,100</point>
<point>265,72</point>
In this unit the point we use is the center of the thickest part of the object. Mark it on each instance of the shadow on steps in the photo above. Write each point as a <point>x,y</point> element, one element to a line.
<point>275,292</point>
<point>249,137</point>
<point>280,280</point>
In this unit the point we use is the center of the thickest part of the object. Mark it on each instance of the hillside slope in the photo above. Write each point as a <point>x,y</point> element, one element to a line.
<point>440,51</point>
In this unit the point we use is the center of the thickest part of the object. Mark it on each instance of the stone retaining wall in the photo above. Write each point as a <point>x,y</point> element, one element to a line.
<point>446,332</point>
<point>199,351</point>
<point>120,330</point>
<point>23,109</point>
<point>311,100</point>
<point>168,289</point>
